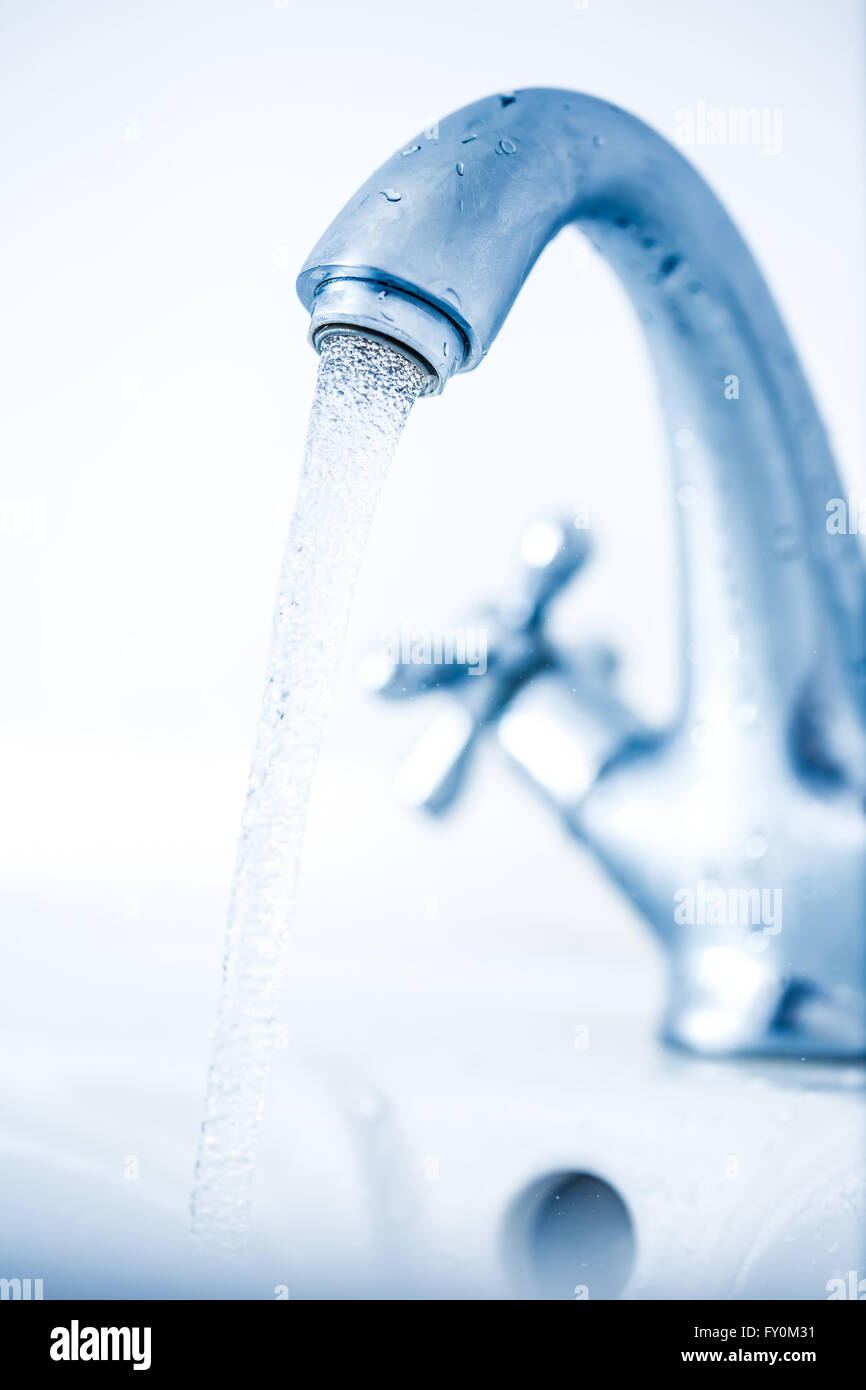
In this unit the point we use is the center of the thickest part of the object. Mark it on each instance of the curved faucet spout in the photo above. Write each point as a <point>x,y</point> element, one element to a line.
<point>430,254</point>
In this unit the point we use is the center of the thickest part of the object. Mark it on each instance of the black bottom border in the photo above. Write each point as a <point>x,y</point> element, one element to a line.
<point>230,1338</point>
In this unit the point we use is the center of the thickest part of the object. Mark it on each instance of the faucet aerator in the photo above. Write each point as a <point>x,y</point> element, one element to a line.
<point>390,315</point>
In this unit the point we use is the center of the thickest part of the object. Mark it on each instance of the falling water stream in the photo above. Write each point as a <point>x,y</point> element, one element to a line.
<point>363,397</point>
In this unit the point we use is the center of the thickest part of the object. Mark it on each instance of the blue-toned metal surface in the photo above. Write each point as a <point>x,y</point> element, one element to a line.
<point>740,831</point>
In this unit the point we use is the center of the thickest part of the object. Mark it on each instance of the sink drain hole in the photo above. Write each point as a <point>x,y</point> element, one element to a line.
<point>570,1236</point>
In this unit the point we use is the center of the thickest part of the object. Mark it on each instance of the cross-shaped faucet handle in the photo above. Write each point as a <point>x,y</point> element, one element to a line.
<point>481,668</point>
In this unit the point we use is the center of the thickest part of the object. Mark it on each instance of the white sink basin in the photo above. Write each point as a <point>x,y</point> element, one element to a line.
<point>446,1048</point>
<point>413,1107</point>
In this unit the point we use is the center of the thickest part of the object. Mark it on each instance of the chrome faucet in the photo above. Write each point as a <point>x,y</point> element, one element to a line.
<point>739,831</point>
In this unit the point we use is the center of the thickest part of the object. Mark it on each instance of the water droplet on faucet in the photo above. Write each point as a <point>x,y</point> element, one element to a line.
<point>507,146</point>
<point>391,194</point>
<point>460,168</point>
<point>410,149</point>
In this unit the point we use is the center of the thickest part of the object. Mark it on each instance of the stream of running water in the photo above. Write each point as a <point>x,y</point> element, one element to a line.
<point>364,394</point>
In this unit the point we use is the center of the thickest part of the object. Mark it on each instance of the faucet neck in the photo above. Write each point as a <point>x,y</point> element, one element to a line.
<point>773,604</point>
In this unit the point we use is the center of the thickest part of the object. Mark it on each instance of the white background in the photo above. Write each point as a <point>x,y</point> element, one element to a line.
<point>167,168</point>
